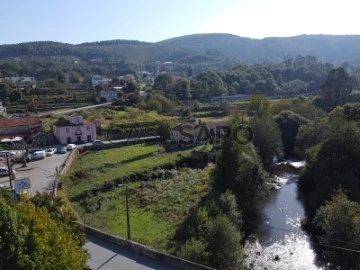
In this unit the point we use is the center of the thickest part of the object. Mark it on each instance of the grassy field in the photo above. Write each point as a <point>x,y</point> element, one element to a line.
<point>156,207</point>
<point>92,169</point>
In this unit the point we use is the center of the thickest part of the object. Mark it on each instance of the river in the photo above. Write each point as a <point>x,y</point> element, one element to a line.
<point>280,243</point>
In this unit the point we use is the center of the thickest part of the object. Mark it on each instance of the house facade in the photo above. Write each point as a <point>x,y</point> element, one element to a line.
<point>75,129</point>
<point>20,80</point>
<point>108,94</point>
<point>98,80</point>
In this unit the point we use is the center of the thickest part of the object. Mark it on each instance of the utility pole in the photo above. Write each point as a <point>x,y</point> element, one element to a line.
<point>127,214</point>
<point>10,171</point>
<point>127,211</point>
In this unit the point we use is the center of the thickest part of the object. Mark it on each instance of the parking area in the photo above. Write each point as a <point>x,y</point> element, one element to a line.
<point>41,172</point>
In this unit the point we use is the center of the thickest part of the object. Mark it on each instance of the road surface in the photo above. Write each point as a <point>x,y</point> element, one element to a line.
<point>108,256</point>
<point>75,109</point>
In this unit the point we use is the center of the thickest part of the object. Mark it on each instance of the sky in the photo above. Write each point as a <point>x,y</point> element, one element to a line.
<point>77,21</point>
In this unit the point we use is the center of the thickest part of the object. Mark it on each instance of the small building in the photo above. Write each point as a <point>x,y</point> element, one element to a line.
<point>75,129</point>
<point>20,80</point>
<point>2,110</point>
<point>24,127</point>
<point>98,80</point>
<point>108,94</point>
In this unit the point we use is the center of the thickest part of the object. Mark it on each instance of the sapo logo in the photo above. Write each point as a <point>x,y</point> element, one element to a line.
<point>183,135</point>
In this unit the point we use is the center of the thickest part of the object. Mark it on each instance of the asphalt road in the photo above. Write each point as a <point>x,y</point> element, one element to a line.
<point>108,256</point>
<point>41,172</point>
<point>75,109</point>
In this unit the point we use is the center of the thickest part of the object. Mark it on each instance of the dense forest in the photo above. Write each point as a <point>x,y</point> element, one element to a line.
<point>203,52</point>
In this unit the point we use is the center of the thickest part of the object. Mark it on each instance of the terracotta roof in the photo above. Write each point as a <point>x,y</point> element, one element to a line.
<point>21,121</point>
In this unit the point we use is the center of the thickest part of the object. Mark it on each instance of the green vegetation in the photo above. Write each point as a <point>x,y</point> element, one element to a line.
<point>339,222</point>
<point>157,207</point>
<point>30,232</point>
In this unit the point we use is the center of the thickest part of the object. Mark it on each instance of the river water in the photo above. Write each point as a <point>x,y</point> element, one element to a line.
<point>280,243</point>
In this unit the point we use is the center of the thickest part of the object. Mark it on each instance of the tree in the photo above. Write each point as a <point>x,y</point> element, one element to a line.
<point>61,78</point>
<point>289,124</point>
<point>15,96</point>
<point>224,247</point>
<point>31,239</point>
<point>154,105</point>
<point>182,89</point>
<point>259,104</point>
<point>339,221</point>
<point>336,88</point>
<point>267,139</point>
<point>163,81</point>
<point>75,77</point>
<point>244,174</point>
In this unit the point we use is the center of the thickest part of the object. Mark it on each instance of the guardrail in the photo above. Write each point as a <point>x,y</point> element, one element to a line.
<point>144,250</point>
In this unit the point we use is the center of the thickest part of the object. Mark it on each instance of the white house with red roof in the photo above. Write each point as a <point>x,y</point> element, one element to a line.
<point>75,129</point>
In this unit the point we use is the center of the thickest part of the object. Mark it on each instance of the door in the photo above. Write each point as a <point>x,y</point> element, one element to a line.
<point>89,138</point>
<point>68,139</point>
<point>79,138</point>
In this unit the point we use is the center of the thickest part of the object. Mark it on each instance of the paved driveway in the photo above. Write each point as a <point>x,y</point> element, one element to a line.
<point>41,172</point>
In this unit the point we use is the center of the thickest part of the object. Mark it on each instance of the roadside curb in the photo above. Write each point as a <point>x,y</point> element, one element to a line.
<point>24,169</point>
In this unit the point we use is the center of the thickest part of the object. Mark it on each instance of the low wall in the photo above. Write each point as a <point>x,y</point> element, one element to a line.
<point>145,250</point>
<point>64,168</point>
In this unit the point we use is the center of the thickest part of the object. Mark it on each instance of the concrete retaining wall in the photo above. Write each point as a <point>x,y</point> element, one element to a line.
<point>145,250</point>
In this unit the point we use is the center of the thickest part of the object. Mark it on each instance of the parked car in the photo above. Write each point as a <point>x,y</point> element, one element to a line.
<point>79,142</point>
<point>4,171</point>
<point>70,147</point>
<point>61,150</point>
<point>97,142</point>
<point>6,153</point>
<point>50,151</point>
<point>38,155</point>
<point>33,150</point>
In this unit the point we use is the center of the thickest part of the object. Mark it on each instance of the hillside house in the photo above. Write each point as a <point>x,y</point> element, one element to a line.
<point>20,80</point>
<point>98,80</point>
<point>108,94</point>
<point>75,129</point>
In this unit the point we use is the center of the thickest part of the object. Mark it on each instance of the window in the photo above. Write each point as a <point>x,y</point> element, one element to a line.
<point>67,130</point>
<point>88,128</point>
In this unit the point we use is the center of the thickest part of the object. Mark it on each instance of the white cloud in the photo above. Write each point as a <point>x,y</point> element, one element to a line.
<point>258,19</point>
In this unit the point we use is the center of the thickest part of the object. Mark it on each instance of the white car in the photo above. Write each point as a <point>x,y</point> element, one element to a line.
<point>38,155</point>
<point>50,151</point>
<point>5,172</point>
<point>70,147</point>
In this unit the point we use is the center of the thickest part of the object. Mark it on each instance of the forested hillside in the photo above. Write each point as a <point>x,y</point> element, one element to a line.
<point>46,59</point>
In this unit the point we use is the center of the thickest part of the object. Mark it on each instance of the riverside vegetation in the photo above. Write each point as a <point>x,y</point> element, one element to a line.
<point>198,214</point>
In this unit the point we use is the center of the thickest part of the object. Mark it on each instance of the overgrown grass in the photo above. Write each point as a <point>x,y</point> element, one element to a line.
<point>95,168</point>
<point>156,207</point>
